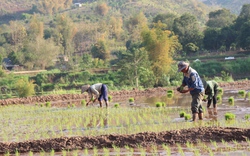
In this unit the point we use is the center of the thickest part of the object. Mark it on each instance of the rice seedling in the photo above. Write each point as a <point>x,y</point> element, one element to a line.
<point>131,100</point>
<point>231,100</point>
<point>106,151</point>
<point>242,93</point>
<point>229,116</point>
<point>167,149</point>
<point>220,91</point>
<point>48,104</point>
<point>187,116</point>
<point>170,93</point>
<point>116,105</point>
<point>52,152</point>
<point>182,114</point>
<point>247,117</point>
<point>83,102</point>
<point>110,98</point>
<point>158,104</point>
<point>219,99</point>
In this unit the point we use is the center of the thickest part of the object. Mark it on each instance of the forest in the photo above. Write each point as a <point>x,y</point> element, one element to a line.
<point>131,43</point>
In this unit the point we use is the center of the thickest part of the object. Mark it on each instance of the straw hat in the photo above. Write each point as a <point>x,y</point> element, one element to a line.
<point>85,88</point>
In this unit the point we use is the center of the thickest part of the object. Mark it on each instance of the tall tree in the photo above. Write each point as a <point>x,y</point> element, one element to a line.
<point>36,28</point>
<point>188,30</point>
<point>132,64</point>
<point>161,45</point>
<point>220,18</point>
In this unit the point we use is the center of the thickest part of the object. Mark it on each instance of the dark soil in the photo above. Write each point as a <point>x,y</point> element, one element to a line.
<point>193,135</point>
<point>145,139</point>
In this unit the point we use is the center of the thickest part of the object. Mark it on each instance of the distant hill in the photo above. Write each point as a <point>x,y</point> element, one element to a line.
<point>233,5</point>
<point>12,9</point>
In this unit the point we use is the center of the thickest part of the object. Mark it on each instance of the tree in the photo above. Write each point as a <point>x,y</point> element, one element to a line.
<point>220,18</point>
<point>188,30</point>
<point>36,28</point>
<point>40,53</point>
<point>243,17</point>
<point>167,19</point>
<point>132,65</point>
<point>102,9</point>
<point>244,36</point>
<point>100,50</point>
<point>161,46</point>
<point>66,31</point>
<point>211,39</point>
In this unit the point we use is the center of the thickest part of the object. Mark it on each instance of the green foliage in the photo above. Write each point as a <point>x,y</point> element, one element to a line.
<point>83,102</point>
<point>242,93</point>
<point>182,114</point>
<point>187,116</point>
<point>219,99</point>
<point>231,100</point>
<point>247,116</point>
<point>158,104</point>
<point>131,100</point>
<point>25,88</point>
<point>48,104</point>
<point>229,116</point>
<point>110,98</point>
<point>116,105</point>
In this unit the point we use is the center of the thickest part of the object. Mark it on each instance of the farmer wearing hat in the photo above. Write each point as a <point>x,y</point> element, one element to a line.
<point>195,86</point>
<point>96,91</point>
<point>211,90</point>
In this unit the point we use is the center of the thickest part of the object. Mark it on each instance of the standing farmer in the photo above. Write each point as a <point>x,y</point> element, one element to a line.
<point>195,86</point>
<point>96,91</point>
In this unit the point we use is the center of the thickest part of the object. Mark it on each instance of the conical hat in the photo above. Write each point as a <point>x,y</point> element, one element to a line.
<point>85,88</point>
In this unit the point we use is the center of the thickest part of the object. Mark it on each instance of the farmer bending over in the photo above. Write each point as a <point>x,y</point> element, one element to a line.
<point>195,86</point>
<point>96,91</point>
<point>211,90</point>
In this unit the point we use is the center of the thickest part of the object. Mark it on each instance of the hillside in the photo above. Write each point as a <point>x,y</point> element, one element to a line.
<point>11,10</point>
<point>233,5</point>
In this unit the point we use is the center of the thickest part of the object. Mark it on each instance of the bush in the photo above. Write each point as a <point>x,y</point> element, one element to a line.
<point>25,88</point>
<point>229,116</point>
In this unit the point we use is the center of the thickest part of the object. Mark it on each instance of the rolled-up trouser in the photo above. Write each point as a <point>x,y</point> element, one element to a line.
<point>104,93</point>
<point>196,106</point>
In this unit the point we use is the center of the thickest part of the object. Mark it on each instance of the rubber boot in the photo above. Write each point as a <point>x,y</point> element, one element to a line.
<point>195,116</point>
<point>200,116</point>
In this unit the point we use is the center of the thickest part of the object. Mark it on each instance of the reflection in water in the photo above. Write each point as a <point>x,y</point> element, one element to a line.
<point>101,120</point>
<point>212,113</point>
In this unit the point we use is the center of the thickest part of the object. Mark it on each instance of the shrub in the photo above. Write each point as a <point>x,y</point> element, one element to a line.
<point>182,114</point>
<point>187,116</point>
<point>25,88</point>
<point>229,116</point>
<point>231,100</point>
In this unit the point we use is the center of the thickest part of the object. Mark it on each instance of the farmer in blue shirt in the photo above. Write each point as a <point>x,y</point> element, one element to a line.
<point>195,86</point>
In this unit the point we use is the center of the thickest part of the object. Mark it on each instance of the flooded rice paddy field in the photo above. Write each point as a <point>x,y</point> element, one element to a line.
<point>68,128</point>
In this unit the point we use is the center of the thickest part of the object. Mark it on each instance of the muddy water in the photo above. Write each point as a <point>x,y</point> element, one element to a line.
<point>240,108</point>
